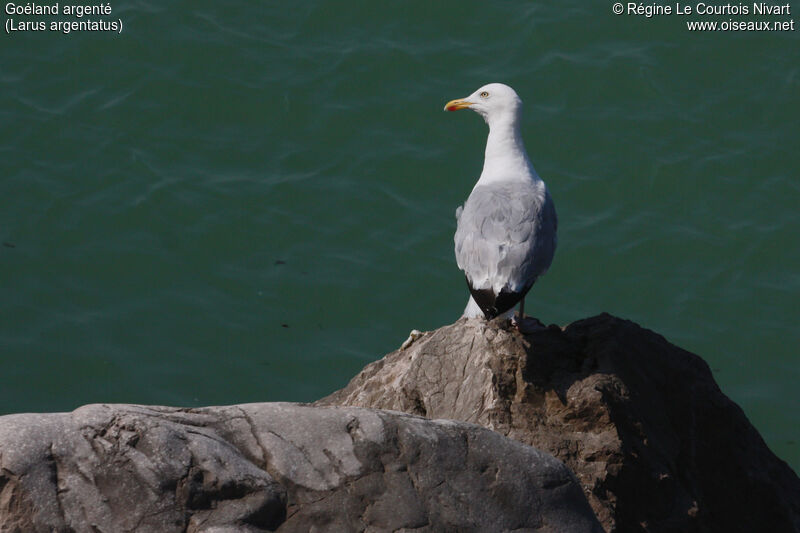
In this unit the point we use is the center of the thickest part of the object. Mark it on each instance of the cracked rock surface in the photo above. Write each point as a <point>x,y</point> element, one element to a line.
<point>655,444</point>
<point>275,467</point>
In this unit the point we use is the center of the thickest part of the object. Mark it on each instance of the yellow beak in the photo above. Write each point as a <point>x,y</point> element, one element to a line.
<point>455,105</point>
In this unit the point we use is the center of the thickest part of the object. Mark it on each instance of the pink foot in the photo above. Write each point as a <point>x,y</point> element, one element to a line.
<point>526,325</point>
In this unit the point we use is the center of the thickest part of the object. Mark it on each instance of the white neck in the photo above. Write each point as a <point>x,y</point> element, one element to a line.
<point>505,158</point>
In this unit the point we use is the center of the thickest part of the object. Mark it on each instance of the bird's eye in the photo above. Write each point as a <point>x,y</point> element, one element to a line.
<point>484,94</point>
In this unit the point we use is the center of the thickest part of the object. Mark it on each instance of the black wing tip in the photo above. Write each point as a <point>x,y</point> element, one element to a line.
<point>494,305</point>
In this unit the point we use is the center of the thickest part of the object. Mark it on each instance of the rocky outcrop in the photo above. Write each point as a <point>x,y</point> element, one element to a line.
<point>644,431</point>
<point>655,444</point>
<point>275,467</point>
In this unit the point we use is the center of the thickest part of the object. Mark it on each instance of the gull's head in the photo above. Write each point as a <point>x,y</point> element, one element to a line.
<point>493,102</point>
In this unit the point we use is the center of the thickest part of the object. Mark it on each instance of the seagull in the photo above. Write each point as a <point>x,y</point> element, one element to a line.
<point>506,230</point>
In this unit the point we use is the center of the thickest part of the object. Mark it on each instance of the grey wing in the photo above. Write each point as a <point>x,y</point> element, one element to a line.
<point>506,236</point>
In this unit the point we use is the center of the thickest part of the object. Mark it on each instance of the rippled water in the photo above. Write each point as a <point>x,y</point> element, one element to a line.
<point>238,202</point>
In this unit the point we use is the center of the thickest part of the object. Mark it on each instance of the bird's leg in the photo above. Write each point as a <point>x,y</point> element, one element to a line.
<point>525,325</point>
<point>518,317</point>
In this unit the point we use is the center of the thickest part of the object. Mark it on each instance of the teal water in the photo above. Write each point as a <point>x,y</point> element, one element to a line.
<point>249,202</point>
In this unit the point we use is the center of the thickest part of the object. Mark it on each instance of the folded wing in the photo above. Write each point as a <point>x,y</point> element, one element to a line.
<point>505,239</point>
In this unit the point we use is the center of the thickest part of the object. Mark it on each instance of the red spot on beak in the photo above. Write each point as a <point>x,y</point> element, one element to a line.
<point>455,105</point>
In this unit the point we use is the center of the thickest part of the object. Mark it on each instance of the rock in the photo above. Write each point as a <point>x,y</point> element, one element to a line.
<point>655,444</point>
<point>275,467</point>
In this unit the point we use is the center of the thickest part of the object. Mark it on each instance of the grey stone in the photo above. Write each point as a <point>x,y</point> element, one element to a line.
<point>655,444</point>
<point>275,467</point>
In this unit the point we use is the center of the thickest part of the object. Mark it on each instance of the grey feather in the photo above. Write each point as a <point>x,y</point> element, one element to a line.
<point>506,235</point>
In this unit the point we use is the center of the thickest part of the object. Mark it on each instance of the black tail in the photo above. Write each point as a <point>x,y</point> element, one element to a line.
<point>493,304</point>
